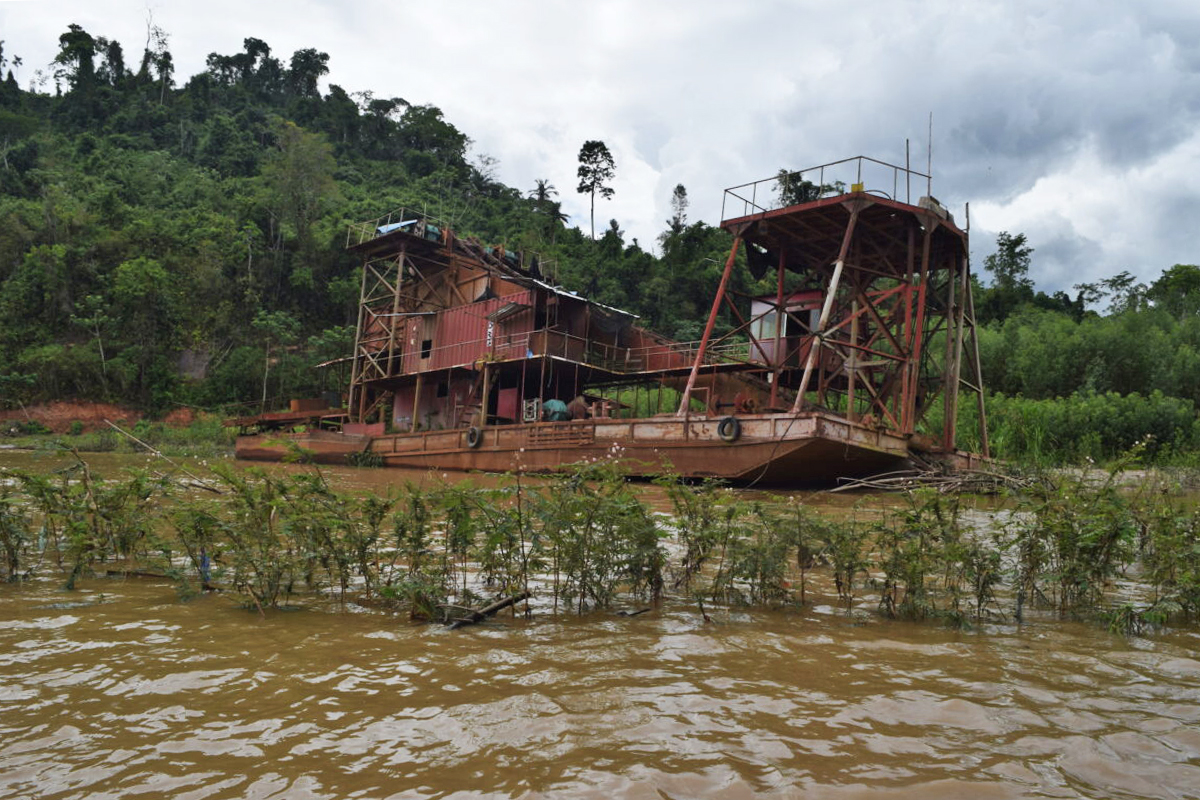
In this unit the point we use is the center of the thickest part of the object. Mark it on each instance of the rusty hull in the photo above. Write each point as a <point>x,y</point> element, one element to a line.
<point>772,448</point>
<point>319,446</point>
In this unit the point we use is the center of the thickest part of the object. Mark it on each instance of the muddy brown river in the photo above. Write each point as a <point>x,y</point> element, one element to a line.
<point>121,690</point>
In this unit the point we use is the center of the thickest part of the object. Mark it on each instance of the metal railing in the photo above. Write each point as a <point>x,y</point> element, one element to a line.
<point>408,220</point>
<point>631,360</point>
<point>826,180</point>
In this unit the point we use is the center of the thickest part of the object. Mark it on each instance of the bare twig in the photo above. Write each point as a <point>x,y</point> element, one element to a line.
<point>200,483</point>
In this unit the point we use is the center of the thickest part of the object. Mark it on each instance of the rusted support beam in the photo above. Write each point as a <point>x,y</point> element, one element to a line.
<point>914,364</point>
<point>851,363</point>
<point>984,445</point>
<point>815,347</point>
<point>780,320</point>
<point>902,403</point>
<point>960,333</point>
<point>949,365</point>
<point>685,400</point>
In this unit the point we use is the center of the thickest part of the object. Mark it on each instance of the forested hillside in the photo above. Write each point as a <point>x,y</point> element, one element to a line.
<point>159,236</point>
<point>169,240</point>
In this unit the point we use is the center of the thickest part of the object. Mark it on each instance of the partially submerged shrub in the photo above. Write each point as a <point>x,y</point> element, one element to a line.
<point>588,540</point>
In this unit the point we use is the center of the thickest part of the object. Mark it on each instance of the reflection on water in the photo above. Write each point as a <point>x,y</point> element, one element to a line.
<point>121,690</point>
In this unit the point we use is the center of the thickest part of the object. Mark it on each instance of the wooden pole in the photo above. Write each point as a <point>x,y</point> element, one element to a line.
<point>355,401</point>
<point>391,357</point>
<point>483,402</point>
<point>416,409</point>
<point>200,483</point>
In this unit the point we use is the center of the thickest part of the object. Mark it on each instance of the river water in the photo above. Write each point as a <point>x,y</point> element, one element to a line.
<point>121,690</point>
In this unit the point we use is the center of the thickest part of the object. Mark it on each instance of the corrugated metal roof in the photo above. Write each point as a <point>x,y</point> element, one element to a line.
<point>507,310</point>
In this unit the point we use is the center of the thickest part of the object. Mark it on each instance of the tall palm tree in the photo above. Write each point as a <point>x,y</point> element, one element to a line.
<point>541,193</point>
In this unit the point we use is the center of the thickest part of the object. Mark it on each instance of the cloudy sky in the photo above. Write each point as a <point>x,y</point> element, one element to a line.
<point>1076,123</point>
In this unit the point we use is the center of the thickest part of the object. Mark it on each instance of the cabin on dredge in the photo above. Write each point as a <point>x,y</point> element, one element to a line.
<point>452,334</point>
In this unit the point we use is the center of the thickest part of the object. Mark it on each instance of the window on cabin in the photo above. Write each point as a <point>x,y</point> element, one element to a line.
<point>764,327</point>
<point>426,347</point>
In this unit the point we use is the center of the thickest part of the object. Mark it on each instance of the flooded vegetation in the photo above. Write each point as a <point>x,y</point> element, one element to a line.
<point>682,640</point>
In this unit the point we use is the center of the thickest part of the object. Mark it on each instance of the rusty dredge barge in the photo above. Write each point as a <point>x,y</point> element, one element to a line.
<point>467,359</point>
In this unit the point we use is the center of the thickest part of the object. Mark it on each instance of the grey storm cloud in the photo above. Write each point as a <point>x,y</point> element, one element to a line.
<point>1072,122</point>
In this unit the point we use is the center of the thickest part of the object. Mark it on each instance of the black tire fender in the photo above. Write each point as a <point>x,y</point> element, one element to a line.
<point>729,429</point>
<point>474,437</point>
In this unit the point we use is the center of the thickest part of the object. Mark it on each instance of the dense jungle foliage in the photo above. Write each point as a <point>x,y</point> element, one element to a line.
<point>160,240</point>
<point>168,241</point>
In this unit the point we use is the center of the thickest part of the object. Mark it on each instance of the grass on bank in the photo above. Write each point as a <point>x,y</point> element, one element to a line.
<point>205,437</point>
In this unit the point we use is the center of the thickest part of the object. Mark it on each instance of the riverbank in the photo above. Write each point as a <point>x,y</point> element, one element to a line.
<point>105,428</point>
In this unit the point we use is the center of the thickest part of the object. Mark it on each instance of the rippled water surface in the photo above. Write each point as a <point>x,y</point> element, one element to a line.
<point>121,690</point>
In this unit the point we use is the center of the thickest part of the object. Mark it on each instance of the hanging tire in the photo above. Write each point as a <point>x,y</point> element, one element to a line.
<point>474,437</point>
<point>729,429</point>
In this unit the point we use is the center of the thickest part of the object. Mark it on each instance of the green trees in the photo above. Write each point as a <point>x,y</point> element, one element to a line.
<point>679,207</point>
<point>792,188</point>
<point>1011,285</point>
<point>75,61</point>
<point>1177,291</point>
<point>144,225</point>
<point>299,175</point>
<point>549,211</point>
<point>596,168</point>
<point>306,68</point>
<point>144,299</point>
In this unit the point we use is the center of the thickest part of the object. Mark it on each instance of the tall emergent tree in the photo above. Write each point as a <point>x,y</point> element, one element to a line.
<point>679,207</point>
<point>1011,285</point>
<point>1009,265</point>
<point>596,166</point>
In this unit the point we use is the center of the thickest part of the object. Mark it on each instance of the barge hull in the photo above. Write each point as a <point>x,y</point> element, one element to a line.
<point>769,448</point>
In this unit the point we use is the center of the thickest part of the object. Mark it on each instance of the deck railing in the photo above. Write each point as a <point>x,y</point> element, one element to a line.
<point>825,180</point>
<point>408,220</point>
<point>629,360</point>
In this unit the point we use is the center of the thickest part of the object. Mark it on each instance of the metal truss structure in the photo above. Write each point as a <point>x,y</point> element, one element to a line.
<point>894,343</point>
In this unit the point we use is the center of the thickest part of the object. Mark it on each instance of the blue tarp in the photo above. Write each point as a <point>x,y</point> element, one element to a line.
<point>556,411</point>
<point>382,229</point>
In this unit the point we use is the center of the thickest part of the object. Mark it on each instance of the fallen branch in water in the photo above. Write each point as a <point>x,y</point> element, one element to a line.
<point>962,481</point>
<point>199,483</point>
<point>479,615</point>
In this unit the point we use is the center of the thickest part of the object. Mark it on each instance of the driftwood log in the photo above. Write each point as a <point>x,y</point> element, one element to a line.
<point>977,481</point>
<point>479,615</point>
